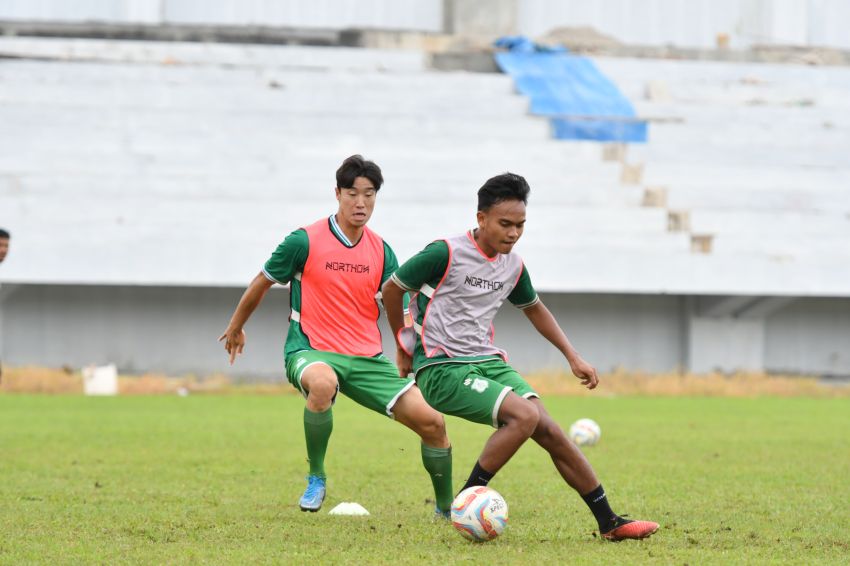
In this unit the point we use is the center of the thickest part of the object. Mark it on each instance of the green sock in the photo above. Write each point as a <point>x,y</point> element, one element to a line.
<point>317,431</point>
<point>438,463</point>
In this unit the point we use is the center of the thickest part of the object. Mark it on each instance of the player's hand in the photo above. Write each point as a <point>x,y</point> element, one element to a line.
<point>584,371</point>
<point>404,362</point>
<point>234,342</point>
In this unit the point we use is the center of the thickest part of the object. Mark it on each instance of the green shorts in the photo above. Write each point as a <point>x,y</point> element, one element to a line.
<point>472,391</point>
<point>371,382</point>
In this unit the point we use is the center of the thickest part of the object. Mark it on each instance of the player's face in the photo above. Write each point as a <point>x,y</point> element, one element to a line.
<point>500,227</point>
<point>356,203</point>
<point>4,248</point>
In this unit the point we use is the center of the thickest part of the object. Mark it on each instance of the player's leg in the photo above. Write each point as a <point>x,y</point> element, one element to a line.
<point>319,381</point>
<point>517,418</point>
<point>568,459</point>
<point>412,411</point>
<point>464,390</point>
<point>375,384</point>
<point>578,473</point>
<point>313,375</point>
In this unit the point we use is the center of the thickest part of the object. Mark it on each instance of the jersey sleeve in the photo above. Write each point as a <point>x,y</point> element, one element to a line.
<point>427,266</point>
<point>289,258</point>
<point>390,263</point>
<point>524,295</point>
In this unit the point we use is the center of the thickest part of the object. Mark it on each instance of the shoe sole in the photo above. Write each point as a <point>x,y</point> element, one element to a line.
<point>647,535</point>
<point>312,509</point>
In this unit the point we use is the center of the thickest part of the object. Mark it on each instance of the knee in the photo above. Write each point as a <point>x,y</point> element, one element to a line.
<point>432,427</point>
<point>547,430</point>
<point>322,390</point>
<point>527,418</point>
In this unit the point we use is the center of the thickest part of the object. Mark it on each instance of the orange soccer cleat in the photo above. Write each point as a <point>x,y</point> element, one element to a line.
<point>626,529</point>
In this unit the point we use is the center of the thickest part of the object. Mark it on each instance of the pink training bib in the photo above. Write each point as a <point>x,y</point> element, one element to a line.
<point>339,309</point>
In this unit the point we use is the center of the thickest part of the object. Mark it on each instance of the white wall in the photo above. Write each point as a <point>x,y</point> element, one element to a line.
<point>684,23</point>
<point>810,335</point>
<point>726,344</point>
<point>696,23</point>
<point>175,330</point>
<point>425,15</point>
<point>172,330</point>
<point>637,332</point>
<point>121,11</point>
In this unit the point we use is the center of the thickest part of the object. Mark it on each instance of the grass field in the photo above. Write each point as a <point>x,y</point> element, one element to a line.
<point>215,479</point>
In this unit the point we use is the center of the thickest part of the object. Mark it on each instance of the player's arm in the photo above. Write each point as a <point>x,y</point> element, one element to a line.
<point>548,327</point>
<point>427,265</point>
<point>287,260</point>
<point>390,267</point>
<point>394,305</point>
<point>525,297</point>
<point>234,335</point>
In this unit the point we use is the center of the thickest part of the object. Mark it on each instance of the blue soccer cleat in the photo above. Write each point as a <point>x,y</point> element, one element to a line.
<point>314,495</point>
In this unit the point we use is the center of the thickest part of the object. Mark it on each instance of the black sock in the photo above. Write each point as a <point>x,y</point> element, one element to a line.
<point>598,503</point>
<point>479,476</point>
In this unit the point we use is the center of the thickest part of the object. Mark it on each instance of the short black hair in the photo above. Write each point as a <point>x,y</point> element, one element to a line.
<point>4,234</point>
<point>355,166</point>
<point>507,186</point>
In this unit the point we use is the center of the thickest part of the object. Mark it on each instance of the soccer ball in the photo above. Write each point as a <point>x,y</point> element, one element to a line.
<point>479,513</point>
<point>585,432</point>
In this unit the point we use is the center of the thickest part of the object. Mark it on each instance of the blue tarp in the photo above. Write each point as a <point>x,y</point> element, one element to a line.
<point>582,103</point>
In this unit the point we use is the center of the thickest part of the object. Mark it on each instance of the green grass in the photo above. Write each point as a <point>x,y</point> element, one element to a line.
<point>209,479</point>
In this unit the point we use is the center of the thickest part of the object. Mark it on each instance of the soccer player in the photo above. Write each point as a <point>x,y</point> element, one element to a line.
<point>459,285</point>
<point>4,249</point>
<point>336,267</point>
<point>4,244</point>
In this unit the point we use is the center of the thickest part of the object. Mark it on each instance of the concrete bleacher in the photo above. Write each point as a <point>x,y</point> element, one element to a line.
<point>750,127</point>
<point>755,155</point>
<point>176,164</point>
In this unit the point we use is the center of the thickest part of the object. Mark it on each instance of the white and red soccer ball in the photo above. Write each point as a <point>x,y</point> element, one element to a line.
<point>479,513</point>
<point>585,432</point>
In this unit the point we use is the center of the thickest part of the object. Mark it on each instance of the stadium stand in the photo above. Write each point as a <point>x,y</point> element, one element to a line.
<point>139,163</point>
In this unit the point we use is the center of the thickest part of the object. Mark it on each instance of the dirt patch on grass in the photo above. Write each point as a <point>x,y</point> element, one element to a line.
<point>40,380</point>
<point>675,384</point>
<point>68,381</point>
